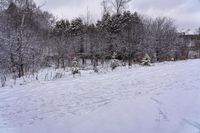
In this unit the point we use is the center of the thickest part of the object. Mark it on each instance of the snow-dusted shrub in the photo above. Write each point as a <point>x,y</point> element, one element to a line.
<point>3,81</point>
<point>14,77</point>
<point>123,63</point>
<point>48,76</point>
<point>75,70</point>
<point>146,61</point>
<point>96,70</point>
<point>58,75</point>
<point>114,64</point>
<point>74,62</point>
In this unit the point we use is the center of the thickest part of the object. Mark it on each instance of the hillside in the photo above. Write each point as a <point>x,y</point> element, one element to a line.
<point>164,98</point>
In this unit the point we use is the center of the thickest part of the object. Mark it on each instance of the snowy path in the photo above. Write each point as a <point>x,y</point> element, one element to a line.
<point>163,98</point>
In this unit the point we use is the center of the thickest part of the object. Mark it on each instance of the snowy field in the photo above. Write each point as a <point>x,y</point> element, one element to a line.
<point>164,98</point>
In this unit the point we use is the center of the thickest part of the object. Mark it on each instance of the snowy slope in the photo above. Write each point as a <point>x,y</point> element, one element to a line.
<point>164,98</point>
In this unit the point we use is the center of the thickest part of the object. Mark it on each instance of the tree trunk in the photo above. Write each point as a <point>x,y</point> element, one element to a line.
<point>63,62</point>
<point>83,61</point>
<point>58,63</point>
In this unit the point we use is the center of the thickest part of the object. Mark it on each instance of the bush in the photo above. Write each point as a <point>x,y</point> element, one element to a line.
<point>58,76</point>
<point>3,81</point>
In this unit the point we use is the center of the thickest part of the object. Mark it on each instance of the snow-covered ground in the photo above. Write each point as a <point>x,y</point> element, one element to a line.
<point>164,98</point>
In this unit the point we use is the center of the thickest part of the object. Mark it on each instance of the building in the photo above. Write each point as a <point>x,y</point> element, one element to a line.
<point>191,43</point>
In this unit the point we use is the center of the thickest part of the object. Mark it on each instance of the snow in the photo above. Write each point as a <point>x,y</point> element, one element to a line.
<point>164,98</point>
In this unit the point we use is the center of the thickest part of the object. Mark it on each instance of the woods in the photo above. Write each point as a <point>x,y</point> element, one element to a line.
<point>31,39</point>
<point>99,66</point>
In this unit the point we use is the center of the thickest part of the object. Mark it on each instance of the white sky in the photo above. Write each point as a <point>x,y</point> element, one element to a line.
<point>186,13</point>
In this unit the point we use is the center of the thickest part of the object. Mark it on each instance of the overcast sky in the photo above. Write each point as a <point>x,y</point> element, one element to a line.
<point>186,13</point>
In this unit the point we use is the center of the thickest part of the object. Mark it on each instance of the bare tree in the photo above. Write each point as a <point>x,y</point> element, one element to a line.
<point>160,38</point>
<point>106,8</point>
<point>118,5</point>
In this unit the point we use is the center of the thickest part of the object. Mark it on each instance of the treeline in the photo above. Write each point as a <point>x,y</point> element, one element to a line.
<point>24,34</point>
<point>31,38</point>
